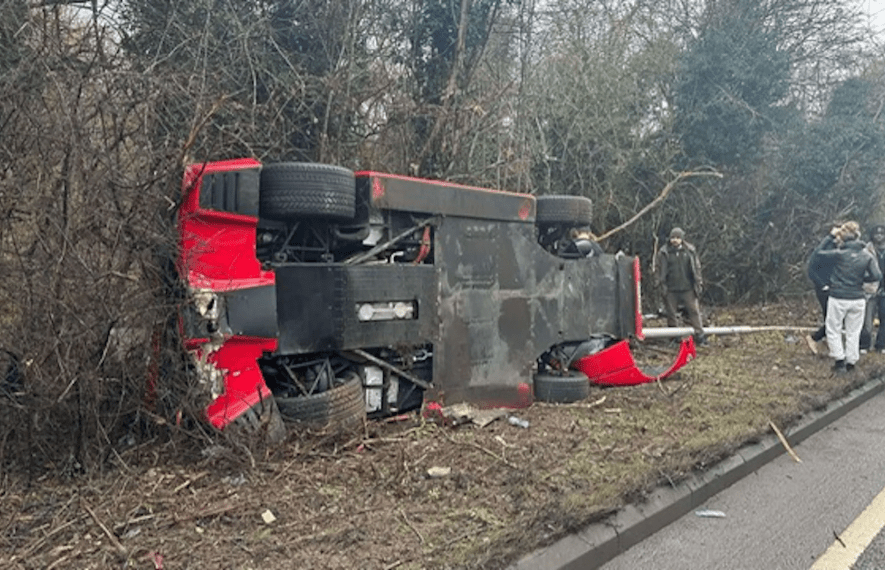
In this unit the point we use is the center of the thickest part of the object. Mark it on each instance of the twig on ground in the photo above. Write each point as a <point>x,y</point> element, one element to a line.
<point>33,548</point>
<point>111,536</point>
<point>786,445</point>
<point>214,512</point>
<point>187,483</point>
<point>123,525</point>
<point>661,387</point>
<point>409,524</point>
<point>836,536</point>
<point>484,450</point>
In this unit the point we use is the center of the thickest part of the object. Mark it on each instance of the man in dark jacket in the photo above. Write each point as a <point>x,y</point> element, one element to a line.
<point>854,265</point>
<point>875,295</point>
<point>679,279</point>
<point>819,270</point>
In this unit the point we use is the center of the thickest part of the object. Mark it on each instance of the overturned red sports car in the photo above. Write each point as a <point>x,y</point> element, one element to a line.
<point>325,295</point>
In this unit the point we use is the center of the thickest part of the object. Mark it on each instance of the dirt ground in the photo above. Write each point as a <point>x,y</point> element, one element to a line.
<point>412,494</point>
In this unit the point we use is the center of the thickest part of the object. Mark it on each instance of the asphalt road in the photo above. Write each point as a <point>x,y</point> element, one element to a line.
<point>786,515</point>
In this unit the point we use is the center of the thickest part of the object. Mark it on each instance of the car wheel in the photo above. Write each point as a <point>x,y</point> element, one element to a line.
<point>566,210</point>
<point>295,189</point>
<point>343,406</point>
<point>572,387</point>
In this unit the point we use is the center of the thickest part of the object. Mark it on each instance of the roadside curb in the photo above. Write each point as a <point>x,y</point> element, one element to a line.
<point>600,542</point>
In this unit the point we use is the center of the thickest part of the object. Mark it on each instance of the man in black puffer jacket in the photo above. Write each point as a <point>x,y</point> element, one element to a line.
<point>854,265</point>
<point>819,270</point>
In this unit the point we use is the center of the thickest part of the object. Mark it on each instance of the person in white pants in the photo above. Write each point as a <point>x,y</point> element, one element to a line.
<point>847,313</point>
<point>854,265</point>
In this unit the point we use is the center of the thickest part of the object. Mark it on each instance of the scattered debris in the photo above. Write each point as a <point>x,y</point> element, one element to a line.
<point>482,418</point>
<point>234,480</point>
<point>458,414</point>
<point>432,412</point>
<point>439,472</point>
<point>501,440</point>
<point>463,413</point>
<point>836,536</point>
<point>268,517</point>
<point>709,513</point>
<point>513,420</point>
<point>399,418</point>
<point>156,558</point>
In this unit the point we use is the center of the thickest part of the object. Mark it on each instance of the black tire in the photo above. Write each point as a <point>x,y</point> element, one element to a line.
<point>572,387</point>
<point>299,189</point>
<point>567,210</point>
<point>265,415</point>
<point>341,407</point>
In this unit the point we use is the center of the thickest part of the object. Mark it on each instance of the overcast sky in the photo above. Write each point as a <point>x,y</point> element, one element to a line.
<point>876,9</point>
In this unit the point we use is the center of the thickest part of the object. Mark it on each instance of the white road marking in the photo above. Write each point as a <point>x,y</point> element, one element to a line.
<point>845,551</point>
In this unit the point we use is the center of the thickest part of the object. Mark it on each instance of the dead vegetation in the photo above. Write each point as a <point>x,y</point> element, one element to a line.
<point>413,494</point>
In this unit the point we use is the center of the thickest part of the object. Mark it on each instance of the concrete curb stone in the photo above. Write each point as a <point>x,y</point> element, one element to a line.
<point>602,541</point>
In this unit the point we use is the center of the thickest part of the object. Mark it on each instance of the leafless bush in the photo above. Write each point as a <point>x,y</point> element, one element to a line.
<point>87,205</point>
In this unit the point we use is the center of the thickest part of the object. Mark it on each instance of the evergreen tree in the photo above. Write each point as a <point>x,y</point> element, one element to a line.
<point>730,81</point>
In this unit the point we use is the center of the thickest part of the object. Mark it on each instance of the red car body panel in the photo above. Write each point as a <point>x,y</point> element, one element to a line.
<point>217,253</point>
<point>615,366</point>
<point>217,248</point>
<point>244,385</point>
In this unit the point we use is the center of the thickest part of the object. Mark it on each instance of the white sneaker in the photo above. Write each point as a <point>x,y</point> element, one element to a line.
<point>864,351</point>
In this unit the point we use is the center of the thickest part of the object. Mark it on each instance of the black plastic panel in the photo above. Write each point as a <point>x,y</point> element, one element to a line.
<point>317,305</point>
<point>252,312</point>
<point>235,191</point>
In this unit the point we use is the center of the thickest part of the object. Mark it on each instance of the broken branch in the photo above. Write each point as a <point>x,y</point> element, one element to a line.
<point>111,536</point>
<point>786,445</point>
<point>660,198</point>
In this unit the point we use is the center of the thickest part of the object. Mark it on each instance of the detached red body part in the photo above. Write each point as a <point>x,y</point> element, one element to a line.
<point>615,366</point>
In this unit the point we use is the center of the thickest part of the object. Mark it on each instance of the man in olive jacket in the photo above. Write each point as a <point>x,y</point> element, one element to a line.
<point>679,279</point>
<point>854,265</point>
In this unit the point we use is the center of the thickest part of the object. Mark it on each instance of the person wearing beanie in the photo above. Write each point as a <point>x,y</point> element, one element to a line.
<point>853,266</point>
<point>875,295</point>
<point>679,280</point>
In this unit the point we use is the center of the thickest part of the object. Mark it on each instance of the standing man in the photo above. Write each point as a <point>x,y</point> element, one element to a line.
<point>819,270</point>
<point>875,295</point>
<point>854,265</point>
<point>679,279</point>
